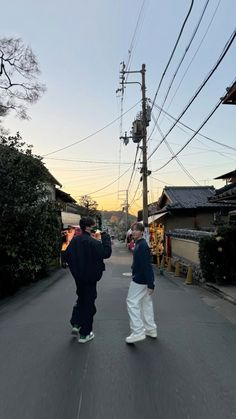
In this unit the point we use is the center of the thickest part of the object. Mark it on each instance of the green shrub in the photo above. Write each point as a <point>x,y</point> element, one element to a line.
<point>217,256</point>
<point>29,223</point>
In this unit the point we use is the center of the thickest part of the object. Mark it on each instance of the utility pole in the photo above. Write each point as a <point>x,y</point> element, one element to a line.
<point>127,210</point>
<point>125,206</point>
<point>145,119</point>
<point>144,150</point>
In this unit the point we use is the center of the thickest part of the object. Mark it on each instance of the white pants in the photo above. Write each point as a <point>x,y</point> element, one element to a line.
<point>140,309</point>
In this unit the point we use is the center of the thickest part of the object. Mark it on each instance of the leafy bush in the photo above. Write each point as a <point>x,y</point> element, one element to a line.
<point>29,222</point>
<point>217,256</point>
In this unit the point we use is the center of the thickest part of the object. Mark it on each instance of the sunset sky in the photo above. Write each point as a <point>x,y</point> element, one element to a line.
<point>79,46</point>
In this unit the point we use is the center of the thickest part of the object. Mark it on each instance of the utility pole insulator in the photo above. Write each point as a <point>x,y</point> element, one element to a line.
<point>125,138</point>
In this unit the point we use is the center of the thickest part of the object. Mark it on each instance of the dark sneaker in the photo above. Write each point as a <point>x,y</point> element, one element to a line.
<point>84,339</point>
<point>75,330</point>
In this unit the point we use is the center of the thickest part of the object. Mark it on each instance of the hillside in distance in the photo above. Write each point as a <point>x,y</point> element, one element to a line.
<point>117,217</point>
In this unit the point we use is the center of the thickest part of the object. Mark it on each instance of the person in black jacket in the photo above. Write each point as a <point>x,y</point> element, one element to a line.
<point>139,299</point>
<point>85,256</point>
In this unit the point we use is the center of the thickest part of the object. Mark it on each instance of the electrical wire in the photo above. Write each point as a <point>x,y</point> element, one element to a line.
<point>211,150</point>
<point>205,146</point>
<point>128,63</point>
<point>109,184</point>
<point>193,130</point>
<point>134,164</point>
<point>161,181</point>
<point>132,43</point>
<point>66,169</point>
<point>224,52</point>
<point>87,161</point>
<point>101,196</point>
<point>183,57</point>
<point>138,186</point>
<point>198,48</point>
<point>134,177</point>
<point>91,135</point>
<point>173,51</point>
<point>176,158</point>
<point>196,132</point>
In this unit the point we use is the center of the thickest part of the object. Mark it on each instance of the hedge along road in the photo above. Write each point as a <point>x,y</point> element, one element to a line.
<point>188,372</point>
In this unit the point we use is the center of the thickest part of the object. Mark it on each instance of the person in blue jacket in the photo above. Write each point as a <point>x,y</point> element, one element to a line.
<point>84,256</point>
<point>139,299</point>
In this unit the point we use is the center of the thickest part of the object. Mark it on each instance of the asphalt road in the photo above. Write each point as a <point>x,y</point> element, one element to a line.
<point>189,372</point>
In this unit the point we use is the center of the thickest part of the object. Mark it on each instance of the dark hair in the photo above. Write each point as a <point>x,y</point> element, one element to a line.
<point>138,226</point>
<point>86,222</point>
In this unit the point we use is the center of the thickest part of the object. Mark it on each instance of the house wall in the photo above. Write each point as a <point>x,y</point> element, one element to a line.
<point>173,222</point>
<point>70,218</point>
<point>186,252</point>
<point>200,221</point>
<point>51,192</point>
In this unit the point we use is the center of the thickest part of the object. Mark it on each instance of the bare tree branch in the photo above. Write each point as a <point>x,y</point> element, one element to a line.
<point>19,70</point>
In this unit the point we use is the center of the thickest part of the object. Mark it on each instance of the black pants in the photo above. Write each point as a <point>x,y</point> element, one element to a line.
<point>85,309</point>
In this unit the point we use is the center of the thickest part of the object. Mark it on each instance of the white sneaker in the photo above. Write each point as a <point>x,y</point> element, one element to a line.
<point>75,330</point>
<point>84,339</point>
<point>151,333</point>
<point>135,338</point>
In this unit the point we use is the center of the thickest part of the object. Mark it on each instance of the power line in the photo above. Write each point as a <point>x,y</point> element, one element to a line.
<point>91,135</point>
<point>183,56</point>
<point>138,24</point>
<point>132,200</point>
<point>224,52</point>
<point>109,184</point>
<point>211,150</point>
<point>134,164</point>
<point>206,148</point>
<point>185,145</point>
<point>177,160</point>
<point>128,63</point>
<point>193,130</point>
<point>87,161</point>
<point>173,51</point>
<point>139,162</point>
<point>101,196</point>
<point>161,181</point>
<point>198,48</point>
<point>66,169</point>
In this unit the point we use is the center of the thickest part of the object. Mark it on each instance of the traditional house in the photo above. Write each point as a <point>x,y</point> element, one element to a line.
<point>184,207</point>
<point>187,207</point>
<point>230,97</point>
<point>226,194</point>
<point>70,211</point>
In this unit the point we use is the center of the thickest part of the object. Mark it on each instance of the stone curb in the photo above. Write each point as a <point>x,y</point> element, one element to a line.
<point>34,288</point>
<point>214,289</point>
<point>208,286</point>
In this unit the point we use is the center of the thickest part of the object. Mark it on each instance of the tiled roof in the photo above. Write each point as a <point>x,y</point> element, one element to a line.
<point>65,197</point>
<point>228,192</point>
<point>189,196</point>
<point>153,208</point>
<point>227,175</point>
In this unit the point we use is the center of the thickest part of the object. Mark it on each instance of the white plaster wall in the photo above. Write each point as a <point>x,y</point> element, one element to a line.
<point>186,249</point>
